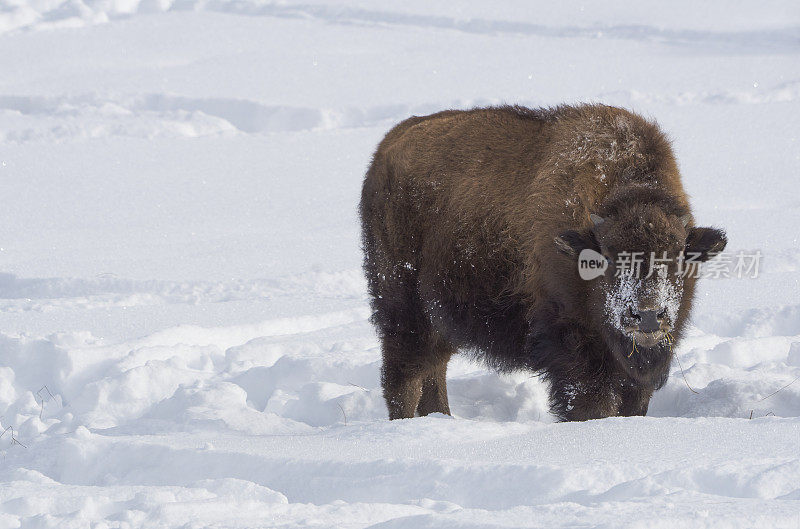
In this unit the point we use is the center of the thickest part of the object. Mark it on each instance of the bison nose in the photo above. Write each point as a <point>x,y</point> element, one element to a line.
<point>649,320</point>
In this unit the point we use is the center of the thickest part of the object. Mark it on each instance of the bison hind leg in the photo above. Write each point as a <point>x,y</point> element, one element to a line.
<point>414,375</point>
<point>434,385</point>
<point>414,364</point>
<point>401,390</point>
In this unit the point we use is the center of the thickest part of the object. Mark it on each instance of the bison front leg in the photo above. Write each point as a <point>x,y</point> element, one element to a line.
<point>596,398</point>
<point>573,400</point>
<point>635,400</point>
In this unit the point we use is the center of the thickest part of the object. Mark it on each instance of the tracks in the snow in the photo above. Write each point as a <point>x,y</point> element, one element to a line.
<point>92,115</point>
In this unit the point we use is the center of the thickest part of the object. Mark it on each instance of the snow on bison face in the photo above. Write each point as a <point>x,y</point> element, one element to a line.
<point>634,264</point>
<point>644,309</point>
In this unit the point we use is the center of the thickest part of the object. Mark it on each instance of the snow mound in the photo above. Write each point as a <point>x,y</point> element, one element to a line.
<point>242,418</point>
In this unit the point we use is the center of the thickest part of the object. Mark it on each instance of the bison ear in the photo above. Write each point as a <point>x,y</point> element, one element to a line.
<point>572,242</point>
<point>705,243</point>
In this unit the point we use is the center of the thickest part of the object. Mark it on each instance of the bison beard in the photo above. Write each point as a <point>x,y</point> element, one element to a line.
<point>472,223</point>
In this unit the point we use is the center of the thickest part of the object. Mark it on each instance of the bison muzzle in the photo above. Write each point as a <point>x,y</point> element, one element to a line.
<point>475,227</point>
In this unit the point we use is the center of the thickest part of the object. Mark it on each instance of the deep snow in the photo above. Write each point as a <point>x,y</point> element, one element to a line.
<point>183,321</point>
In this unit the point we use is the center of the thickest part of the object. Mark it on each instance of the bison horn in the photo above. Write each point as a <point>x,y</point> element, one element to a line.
<point>685,220</point>
<point>596,219</point>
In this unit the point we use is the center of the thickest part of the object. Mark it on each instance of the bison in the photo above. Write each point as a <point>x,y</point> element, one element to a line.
<point>473,223</point>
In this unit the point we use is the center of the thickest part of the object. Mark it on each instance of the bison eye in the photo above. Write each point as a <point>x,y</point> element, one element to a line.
<point>635,316</point>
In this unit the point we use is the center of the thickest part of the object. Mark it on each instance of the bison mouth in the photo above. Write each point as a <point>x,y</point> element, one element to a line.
<point>646,339</point>
<point>643,356</point>
<point>637,339</point>
<point>649,339</point>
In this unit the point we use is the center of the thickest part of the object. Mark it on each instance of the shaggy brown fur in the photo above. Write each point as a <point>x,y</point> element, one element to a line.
<point>472,221</point>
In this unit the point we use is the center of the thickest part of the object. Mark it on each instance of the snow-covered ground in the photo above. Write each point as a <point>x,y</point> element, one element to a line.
<point>183,321</point>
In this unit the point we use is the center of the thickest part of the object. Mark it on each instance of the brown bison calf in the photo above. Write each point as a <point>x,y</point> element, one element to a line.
<point>473,226</point>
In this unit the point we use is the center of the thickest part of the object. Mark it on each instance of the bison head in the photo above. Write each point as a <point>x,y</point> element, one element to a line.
<point>634,261</point>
